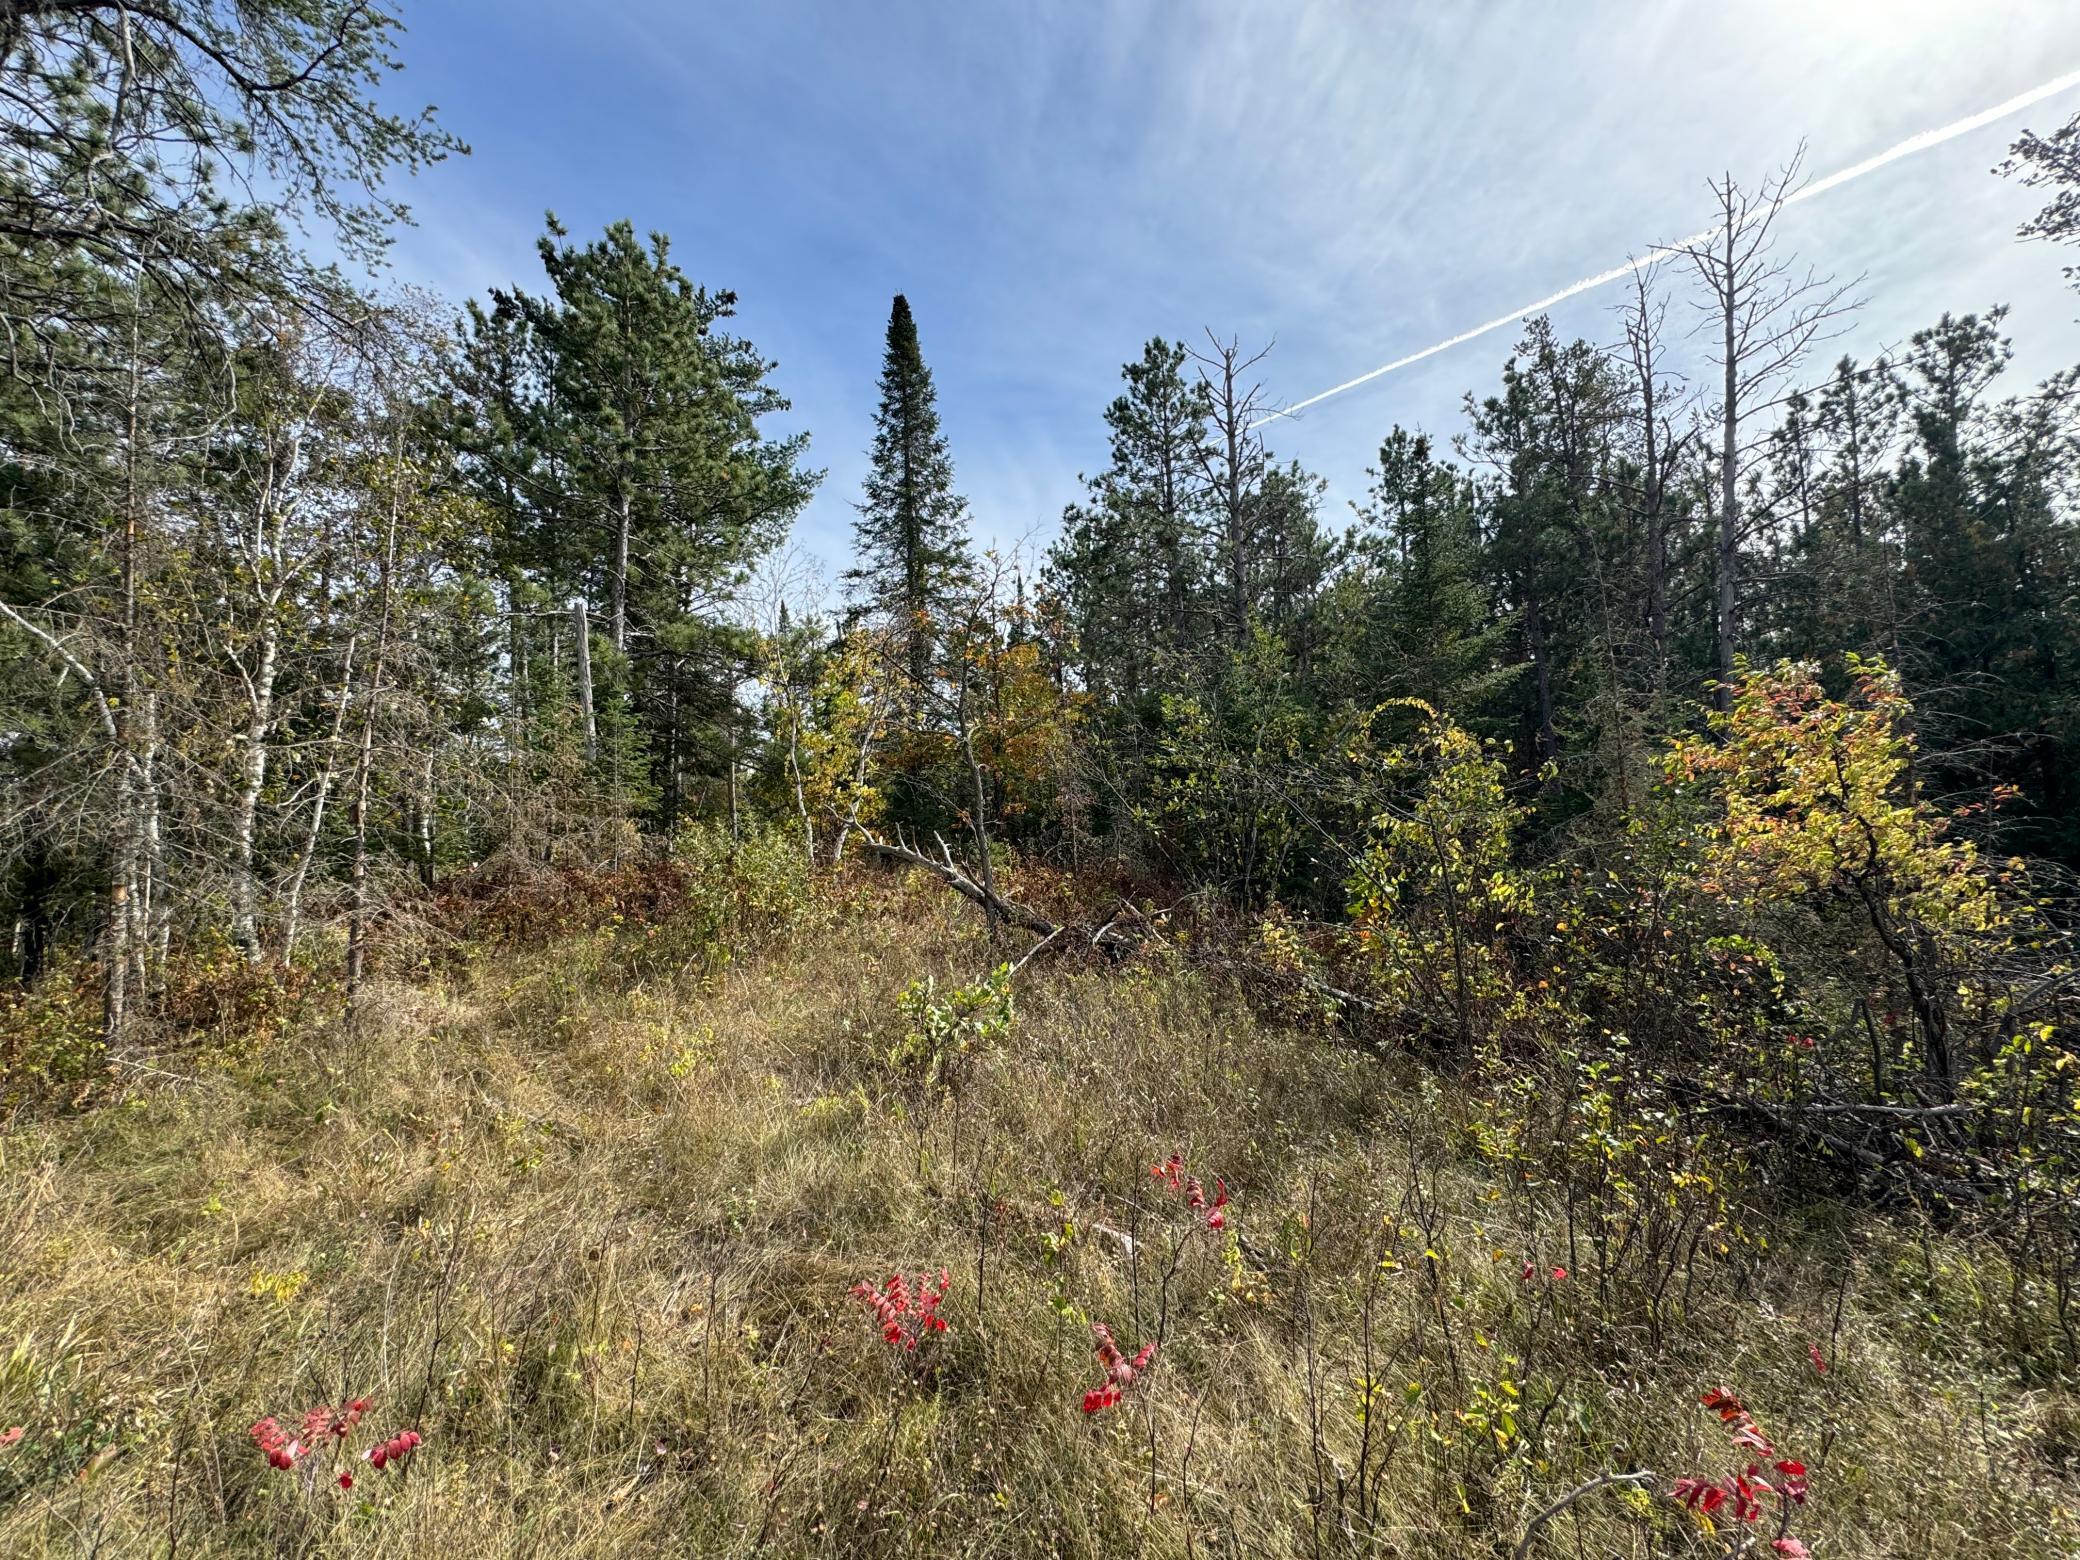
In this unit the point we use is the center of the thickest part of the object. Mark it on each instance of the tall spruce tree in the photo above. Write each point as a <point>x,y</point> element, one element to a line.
<point>912,531</point>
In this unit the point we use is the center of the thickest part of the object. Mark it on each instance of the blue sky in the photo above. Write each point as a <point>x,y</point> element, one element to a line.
<point>1051,184</point>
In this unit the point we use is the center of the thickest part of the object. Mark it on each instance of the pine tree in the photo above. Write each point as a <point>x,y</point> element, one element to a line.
<point>1132,561</point>
<point>614,426</point>
<point>912,531</point>
<point>1297,558</point>
<point>2051,162</point>
<point>1555,535</point>
<point>636,409</point>
<point>1432,631</point>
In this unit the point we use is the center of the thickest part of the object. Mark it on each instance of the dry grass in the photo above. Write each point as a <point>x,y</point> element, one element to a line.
<point>595,1237</point>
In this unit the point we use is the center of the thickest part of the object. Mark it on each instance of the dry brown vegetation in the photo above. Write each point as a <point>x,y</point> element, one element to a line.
<point>587,1214</point>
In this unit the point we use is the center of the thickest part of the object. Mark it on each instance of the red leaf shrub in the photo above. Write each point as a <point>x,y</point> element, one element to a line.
<point>1120,1372</point>
<point>1763,1478</point>
<point>907,1310</point>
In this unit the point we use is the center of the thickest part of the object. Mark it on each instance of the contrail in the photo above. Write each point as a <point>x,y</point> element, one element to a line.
<point>1891,154</point>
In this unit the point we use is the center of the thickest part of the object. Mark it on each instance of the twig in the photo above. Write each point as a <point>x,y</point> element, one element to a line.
<point>1601,1481</point>
<point>1042,943</point>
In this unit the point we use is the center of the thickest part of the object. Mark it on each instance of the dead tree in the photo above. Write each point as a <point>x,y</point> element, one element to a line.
<point>1658,399</point>
<point>1759,315</point>
<point>1232,465</point>
<point>977,888</point>
<point>292,910</point>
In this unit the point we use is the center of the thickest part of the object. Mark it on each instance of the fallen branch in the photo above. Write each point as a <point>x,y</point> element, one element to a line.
<point>1111,935</point>
<point>953,877</point>
<point>1322,988</point>
<point>1601,1481</point>
<point>1793,1123</point>
<point>1960,1109</point>
<point>1042,943</point>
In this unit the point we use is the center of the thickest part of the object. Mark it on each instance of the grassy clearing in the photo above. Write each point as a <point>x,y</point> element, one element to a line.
<point>591,1226</point>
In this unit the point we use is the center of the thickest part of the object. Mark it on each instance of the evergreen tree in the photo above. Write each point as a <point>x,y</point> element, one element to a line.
<point>1557,539</point>
<point>1131,564</point>
<point>1297,558</point>
<point>1431,629</point>
<point>127,130</point>
<point>1989,571</point>
<point>1233,463</point>
<point>1828,490</point>
<point>912,531</point>
<point>2051,162</point>
<point>615,427</point>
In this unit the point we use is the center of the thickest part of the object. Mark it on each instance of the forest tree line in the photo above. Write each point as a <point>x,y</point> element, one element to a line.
<point>316,597</point>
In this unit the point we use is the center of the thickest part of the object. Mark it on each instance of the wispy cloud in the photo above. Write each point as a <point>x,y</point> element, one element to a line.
<point>1924,141</point>
<point>1053,184</point>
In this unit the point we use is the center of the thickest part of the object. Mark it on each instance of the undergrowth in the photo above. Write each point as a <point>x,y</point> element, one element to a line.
<point>609,1223</point>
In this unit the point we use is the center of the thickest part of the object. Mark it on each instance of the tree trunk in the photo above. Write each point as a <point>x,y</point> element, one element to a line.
<point>1910,948</point>
<point>245,928</point>
<point>292,910</point>
<point>735,822</point>
<point>516,653</point>
<point>868,735</point>
<point>1656,538</point>
<point>620,603</point>
<point>357,870</point>
<point>152,921</point>
<point>116,959</point>
<point>1238,548</point>
<point>1729,515</point>
<point>364,765</point>
<point>423,806</point>
<point>33,921</point>
<point>581,637</point>
<point>794,771</point>
<point>1542,679</point>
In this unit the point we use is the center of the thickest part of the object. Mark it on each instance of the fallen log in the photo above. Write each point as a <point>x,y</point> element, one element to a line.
<point>948,872</point>
<point>1898,1166</point>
